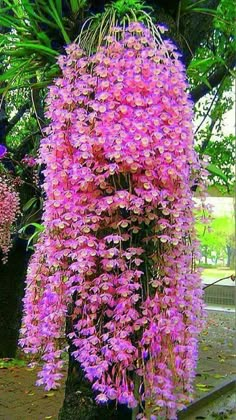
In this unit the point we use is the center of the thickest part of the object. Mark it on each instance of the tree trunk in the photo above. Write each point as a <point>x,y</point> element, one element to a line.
<point>12,276</point>
<point>229,253</point>
<point>79,402</point>
<point>232,259</point>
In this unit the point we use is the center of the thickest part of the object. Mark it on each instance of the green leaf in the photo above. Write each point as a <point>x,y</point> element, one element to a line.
<point>8,23</point>
<point>29,203</point>
<point>200,62</point>
<point>191,8</point>
<point>7,74</point>
<point>53,12</point>
<point>42,36</point>
<point>218,376</point>
<point>37,47</point>
<point>206,81</point>
<point>38,16</point>
<point>30,240</point>
<point>59,7</point>
<point>50,394</point>
<point>41,85</point>
<point>213,12</point>
<point>76,5</point>
<point>39,228</point>
<point>187,4</point>
<point>214,170</point>
<point>203,387</point>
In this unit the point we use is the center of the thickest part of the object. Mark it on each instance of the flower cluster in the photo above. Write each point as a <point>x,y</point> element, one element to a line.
<point>29,160</point>
<point>119,241</point>
<point>9,211</point>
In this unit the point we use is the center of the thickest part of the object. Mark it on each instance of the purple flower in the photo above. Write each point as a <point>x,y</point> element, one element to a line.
<point>3,151</point>
<point>101,398</point>
<point>119,146</point>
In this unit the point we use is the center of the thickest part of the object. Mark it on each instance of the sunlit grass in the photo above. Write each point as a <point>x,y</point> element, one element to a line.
<point>216,272</point>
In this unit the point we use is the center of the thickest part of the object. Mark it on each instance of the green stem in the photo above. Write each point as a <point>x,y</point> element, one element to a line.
<point>135,410</point>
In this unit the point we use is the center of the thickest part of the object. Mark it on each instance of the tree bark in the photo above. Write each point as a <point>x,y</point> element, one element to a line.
<point>12,276</point>
<point>229,251</point>
<point>11,124</point>
<point>79,402</point>
<point>205,254</point>
<point>215,79</point>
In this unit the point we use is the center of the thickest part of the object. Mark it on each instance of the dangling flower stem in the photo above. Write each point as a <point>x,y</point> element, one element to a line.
<point>119,209</point>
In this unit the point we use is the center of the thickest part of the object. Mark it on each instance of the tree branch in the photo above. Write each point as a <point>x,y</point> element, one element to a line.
<point>207,139</point>
<point>215,79</point>
<point>232,277</point>
<point>17,117</point>
<point>208,112</point>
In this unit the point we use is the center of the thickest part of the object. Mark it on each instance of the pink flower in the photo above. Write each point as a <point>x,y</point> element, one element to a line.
<point>29,160</point>
<point>118,215</point>
<point>9,212</point>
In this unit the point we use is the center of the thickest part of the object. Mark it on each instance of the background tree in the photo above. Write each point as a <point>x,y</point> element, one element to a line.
<point>217,240</point>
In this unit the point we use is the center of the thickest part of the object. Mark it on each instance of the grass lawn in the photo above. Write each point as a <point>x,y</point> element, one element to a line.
<point>216,272</point>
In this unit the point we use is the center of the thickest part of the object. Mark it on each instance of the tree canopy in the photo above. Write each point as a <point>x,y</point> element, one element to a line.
<point>216,239</point>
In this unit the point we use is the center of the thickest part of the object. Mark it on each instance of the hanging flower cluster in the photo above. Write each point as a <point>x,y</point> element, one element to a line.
<point>9,211</point>
<point>119,241</point>
<point>29,161</point>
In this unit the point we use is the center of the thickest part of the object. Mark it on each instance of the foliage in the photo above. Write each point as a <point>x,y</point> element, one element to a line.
<point>118,220</point>
<point>35,31</point>
<point>209,138</point>
<point>217,237</point>
<point>25,130</point>
<point>37,229</point>
<point>222,153</point>
<point>11,363</point>
<point>219,45</point>
<point>123,6</point>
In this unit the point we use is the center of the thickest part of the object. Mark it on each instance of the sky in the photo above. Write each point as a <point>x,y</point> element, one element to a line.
<point>229,122</point>
<point>221,206</point>
<point>229,117</point>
